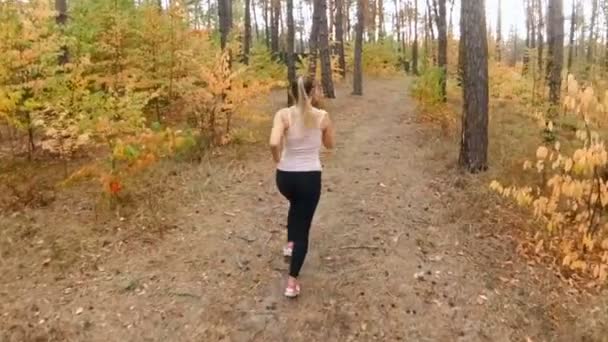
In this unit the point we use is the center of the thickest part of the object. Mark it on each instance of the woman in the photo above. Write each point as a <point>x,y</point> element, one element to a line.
<point>296,138</point>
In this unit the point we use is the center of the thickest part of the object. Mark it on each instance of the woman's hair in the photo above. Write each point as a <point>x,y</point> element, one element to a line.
<point>302,91</point>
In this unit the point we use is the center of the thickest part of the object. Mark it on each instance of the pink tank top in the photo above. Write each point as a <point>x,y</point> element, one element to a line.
<point>301,145</point>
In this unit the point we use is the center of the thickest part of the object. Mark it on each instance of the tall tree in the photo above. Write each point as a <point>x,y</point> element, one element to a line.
<point>540,39</point>
<point>266,16</point>
<point>474,144</point>
<point>247,38</point>
<point>415,43</point>
<point>451,25</point>
<point>592,35</point>
<point>605,9</point>
<point>340,36</point>
<point>571,38</point>
<point>225,19</point>
<point>324,51</point>
<point>397,22</point>
<point>255,21</point>
<point>442,44</point>
<point>499,33</point>
<point>291,40</point>
<point>555,42</point>
<point>530,33</point>
<point>313,42</point>
<point>62,18</point>
<point>381,32</point>
<point>358,67</point>
<point>274,28</point>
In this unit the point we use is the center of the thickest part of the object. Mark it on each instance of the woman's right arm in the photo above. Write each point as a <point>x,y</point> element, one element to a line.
<point>328,132</point>
<point>276,136</point>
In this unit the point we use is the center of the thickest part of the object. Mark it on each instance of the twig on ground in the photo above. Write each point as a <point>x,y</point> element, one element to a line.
<point>362,247</point>
<point>248,240</point>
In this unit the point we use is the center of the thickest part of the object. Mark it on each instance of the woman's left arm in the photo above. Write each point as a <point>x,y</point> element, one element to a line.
<point>276,136</point>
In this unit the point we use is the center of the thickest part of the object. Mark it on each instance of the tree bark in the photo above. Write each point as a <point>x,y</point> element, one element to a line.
<point>247,38</point>
<point>225,18</point>
<point>61,19</point>
<point>592,35</point>
<point>313,42</point>
<point>540,39</point>
<point>442,45</point>
<point>530,35</point>
<point>371,30</point>
<point>571,39</point>
<point>274,29</point>
<point>291,63</point>
<point>340,36</point>
<point>326,72</point>
<point>499,33</point>
<point>266,16</point>
<point>605,9</point>
<point>415,43</point>
<point>474,143</point>
<point>555,42</point>
<point>358,67</point>
<point>381,33</point>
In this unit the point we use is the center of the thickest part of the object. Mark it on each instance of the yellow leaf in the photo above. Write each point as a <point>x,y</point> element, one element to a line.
<point>542,152</point>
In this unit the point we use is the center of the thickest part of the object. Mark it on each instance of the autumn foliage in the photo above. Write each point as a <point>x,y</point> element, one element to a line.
<point>570,199</point>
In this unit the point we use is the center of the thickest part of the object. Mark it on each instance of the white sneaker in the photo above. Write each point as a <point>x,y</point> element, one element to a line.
<point>287,250</point>
<point>292,292</point>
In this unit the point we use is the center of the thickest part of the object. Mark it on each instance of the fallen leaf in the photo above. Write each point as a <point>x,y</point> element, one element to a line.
<point>79,310</point>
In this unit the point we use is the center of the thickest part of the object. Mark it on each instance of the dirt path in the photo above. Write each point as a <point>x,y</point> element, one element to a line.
<point>396,255</point>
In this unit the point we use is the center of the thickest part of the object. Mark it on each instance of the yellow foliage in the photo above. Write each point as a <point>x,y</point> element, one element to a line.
<point>573,198</point>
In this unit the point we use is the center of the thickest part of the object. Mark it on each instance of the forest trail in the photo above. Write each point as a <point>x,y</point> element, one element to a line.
<point>396,255</point>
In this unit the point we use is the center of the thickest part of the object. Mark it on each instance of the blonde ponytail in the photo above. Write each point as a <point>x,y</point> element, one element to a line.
<point>304,105</point>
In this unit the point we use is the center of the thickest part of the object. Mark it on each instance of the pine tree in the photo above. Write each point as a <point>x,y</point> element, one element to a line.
<point>358,72</point>
<point>474,143</point>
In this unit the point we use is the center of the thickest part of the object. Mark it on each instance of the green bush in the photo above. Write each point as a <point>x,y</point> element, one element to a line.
<point>427,88</point>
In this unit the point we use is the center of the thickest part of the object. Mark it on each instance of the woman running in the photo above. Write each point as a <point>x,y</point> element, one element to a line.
<point>295,141</point>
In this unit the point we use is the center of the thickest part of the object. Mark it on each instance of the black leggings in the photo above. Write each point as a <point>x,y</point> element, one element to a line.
<point>303,190</point>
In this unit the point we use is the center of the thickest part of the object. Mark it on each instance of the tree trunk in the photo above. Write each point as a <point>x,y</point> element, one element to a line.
<point>592,35</point>
<point>255,22</point>
<point>291,63</point>
<point>415,43</point>
<point>451,25</point>
<point>530,36</point>
<point>266,16</point>
<point>397,23</point>
<point>247,38</point>
<point>371,28</point>
<point>474,144</point>
<point>313,42</point>
<point>540,39</point>
<point>274,28</point>
<point>499,33</point>
<point>326,72</point>
<point>381,32</point>
<point>330,16</point>
<point>430,20</point>
<point>358,67</point>
<point>340,36</point>
<point>62,18</point>
<point>442,45</point>
<point>224,8</point>
<point>571,39</point>
<point>605,64</point>
<point>555,42</point>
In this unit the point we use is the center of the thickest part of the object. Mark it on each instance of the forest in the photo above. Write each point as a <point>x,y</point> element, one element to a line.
<point>467,197</point>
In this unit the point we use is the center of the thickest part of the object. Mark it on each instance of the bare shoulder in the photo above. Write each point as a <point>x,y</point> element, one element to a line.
<point>323,117</point>
<point>283,115</point>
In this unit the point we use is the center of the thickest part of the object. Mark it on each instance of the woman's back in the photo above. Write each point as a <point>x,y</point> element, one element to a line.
<point>302,144</point>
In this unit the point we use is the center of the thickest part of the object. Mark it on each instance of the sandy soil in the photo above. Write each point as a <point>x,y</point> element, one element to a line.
<point>403,248</point>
